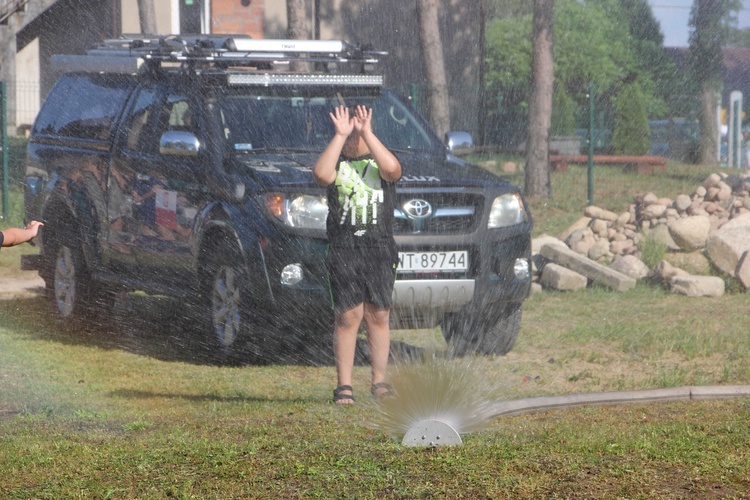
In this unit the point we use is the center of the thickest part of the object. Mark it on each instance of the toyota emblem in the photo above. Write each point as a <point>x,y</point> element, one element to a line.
<point>417,209</point>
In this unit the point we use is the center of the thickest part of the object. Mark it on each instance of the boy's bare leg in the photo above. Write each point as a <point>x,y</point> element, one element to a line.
<point>345,331</point>
<point>378,341</point>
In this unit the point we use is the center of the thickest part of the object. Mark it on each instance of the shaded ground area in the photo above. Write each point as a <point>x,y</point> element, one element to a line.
<point>159,327</point>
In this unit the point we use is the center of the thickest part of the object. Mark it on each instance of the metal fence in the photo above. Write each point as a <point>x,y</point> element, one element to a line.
<point>24,100</point>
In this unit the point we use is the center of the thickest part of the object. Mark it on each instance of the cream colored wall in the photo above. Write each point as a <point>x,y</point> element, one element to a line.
<point>331,29</point>
<point>274,21</point>
<point>27,83</point>
<point>163,8</point>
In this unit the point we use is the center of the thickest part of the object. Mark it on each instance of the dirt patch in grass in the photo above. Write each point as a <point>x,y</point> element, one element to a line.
<point>21,286</point>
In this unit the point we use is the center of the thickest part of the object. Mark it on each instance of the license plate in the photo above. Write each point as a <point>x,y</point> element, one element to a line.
<point>440,262</point>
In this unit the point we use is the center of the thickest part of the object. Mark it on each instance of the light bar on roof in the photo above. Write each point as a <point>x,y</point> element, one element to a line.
<point>103,64</point>
<point>301,79</point>
<point>275,45</point>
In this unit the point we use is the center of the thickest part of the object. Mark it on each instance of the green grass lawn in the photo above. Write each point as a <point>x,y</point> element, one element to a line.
<point>126,408</point>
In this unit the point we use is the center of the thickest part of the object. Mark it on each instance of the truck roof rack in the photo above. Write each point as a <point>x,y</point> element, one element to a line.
<point>129,53</point>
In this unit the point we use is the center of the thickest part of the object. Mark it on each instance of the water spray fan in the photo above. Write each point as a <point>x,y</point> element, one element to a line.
<point>437,401</point>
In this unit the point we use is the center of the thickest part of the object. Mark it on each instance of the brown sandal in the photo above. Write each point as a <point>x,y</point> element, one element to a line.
<point>337,396</point>
<point>387,393</point>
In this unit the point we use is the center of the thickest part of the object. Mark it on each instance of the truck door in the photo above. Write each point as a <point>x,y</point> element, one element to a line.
<point>136,146</point>
<point>165,190</point>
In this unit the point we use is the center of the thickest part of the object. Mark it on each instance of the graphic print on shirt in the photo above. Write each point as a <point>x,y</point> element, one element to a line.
<point>360,193</point>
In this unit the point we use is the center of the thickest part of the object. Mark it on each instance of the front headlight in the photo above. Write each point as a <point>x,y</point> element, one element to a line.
<point>507,210</point>
<point>301,211</point>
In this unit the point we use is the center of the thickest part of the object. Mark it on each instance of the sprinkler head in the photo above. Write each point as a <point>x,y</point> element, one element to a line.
<point>432,433</point>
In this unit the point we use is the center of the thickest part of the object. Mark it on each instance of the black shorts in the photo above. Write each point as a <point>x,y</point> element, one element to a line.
<point>359,275</point>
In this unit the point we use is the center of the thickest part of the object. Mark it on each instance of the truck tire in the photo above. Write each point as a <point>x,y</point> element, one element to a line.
<point>226,294</point>
<point>483,333</point>
<point>68,282</point>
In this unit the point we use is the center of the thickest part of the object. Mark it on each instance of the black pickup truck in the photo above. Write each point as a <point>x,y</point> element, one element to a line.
<point>181,166</point>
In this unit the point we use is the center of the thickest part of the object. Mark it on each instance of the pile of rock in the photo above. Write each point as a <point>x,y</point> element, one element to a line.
<point>709,228</point>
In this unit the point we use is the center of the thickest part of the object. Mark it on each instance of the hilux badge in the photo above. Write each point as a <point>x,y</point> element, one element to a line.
<point>417,209</point>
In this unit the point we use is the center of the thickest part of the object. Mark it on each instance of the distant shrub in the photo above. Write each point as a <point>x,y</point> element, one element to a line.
<point>563,114</point>
<point>630,134</point>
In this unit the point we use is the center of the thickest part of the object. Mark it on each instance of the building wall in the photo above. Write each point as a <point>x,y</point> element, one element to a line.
<point>231,17</point>
<point>163,10</point>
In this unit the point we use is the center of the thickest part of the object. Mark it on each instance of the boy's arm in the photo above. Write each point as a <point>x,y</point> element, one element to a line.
<point>324,171</point>
<point>16,236</point>
<point>388,164</point>
<point>390,168</point>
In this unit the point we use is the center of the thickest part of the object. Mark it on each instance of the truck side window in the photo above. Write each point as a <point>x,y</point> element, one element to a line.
<point>139,138</point>
<point>177,115</point>
<point>89,112</point>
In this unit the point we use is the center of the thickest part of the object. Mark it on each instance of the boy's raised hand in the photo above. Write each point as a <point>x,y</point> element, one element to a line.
<point>363,119</point>
<point>342,122</point>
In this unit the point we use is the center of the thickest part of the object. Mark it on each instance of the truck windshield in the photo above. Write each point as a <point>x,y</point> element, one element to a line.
<point>262,122</point>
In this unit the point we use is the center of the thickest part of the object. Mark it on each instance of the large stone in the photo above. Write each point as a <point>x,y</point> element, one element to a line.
<point>712,180</point>
<point>691,262</point>
<point>664,272</point>
<point>630,265</point>
<point>740,220</point>
<point>743,270</point>
<point>595,272</point>
<point>621,247</point>
<point>543,239</point>
<point>599,250</point>
<point>561,278</point>
<point>690,233</point>
<point>599,213</point>
<point>581,223</point>
<point>726,246</point>
<point>654,211</point>
<point>698,286</point>
<point>537,261</point>
<point>660,234</point>
<point>599,226</point>
<point>622,219</point>
<point>682,202</point>
<point>584,245</point>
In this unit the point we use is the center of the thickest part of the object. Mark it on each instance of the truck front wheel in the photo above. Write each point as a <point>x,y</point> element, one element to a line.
<point>226,296</point>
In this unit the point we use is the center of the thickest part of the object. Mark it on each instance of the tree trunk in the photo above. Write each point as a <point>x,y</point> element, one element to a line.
<point>296,20</point>
<point>708,120</point>
<point>540,103</point>
<point>432,53</point>
<point>147,16</point>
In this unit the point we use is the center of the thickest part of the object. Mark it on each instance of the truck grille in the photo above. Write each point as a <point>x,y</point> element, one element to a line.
<point>437,213</point>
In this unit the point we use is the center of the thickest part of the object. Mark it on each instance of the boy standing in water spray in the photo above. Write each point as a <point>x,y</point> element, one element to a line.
<point>15,235</point>
<point>360,174</point>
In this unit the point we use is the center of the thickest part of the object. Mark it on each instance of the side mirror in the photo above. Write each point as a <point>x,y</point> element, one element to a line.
<point>179,143</point>
<point>458,141</point>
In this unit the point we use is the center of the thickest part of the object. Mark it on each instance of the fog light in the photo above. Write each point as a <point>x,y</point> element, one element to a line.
<point>292,274</point>
<point>521,269</point>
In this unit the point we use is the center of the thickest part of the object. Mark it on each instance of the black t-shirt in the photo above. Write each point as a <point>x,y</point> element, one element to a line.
<point>2,239</point>
<point>360,205</point>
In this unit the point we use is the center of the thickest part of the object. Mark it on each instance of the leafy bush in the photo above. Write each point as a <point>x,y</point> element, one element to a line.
<point>563,116</point>
<point>630,134</point>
